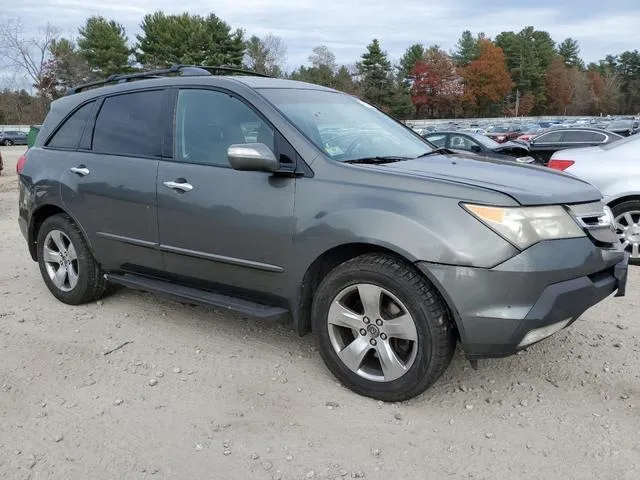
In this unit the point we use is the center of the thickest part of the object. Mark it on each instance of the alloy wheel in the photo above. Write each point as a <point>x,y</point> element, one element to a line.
<point>61,260</point>
<point>628,230</point>
<point>372,332</point>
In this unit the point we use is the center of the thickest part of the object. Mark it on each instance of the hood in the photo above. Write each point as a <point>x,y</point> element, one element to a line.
<point>528,185</point>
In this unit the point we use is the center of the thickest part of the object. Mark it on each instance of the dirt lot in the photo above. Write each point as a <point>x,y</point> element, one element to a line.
<point>200,394</point>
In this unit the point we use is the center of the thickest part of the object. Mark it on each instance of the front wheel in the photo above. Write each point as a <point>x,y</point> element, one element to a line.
<point>382,329</point>
<point>66,262</point>
<point>627,218</point>
<point>7,142</point>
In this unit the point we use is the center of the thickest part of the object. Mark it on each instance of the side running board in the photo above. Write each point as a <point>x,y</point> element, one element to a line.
<point>193,295</point>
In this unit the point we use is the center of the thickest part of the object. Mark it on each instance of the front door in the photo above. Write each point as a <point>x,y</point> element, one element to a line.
<point>219,226</point>
<point>109,181</point>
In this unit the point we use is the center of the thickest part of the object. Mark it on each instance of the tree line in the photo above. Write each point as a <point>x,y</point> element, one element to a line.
<point>516,73</point>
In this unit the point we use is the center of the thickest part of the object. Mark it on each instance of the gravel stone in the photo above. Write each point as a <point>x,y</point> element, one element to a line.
<point>153,382</point>
<point>267,466</point>
<point>176,370</point>
<point>118,401</point>
<point>58,438</point>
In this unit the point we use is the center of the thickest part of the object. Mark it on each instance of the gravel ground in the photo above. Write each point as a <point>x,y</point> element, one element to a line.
<point>202,394</point>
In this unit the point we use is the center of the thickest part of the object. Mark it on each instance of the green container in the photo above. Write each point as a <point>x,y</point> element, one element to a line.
<point>32,135</point>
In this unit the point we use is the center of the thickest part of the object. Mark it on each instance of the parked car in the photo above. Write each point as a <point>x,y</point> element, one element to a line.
<point>615,169</point>
<point>13,137</point>
<point>481,145</point>
<point>1,164</point>
<point>390,251</point>
<point>529,132</point>
<point>502,133</point>
<point>544,146</point>
<point>622,127</point>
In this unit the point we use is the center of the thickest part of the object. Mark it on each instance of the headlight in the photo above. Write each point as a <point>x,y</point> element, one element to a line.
<point>524,226</point>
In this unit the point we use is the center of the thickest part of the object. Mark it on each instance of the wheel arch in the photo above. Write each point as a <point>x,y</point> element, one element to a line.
<point>329,260</point>
<point>37,219</point>
<point>623,198</point>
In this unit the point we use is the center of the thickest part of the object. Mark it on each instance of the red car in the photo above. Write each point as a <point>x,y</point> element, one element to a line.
<point>501,133</point>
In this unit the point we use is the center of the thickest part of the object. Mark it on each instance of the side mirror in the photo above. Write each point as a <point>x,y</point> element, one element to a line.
<point>476,148</point>
<point>255,157</point>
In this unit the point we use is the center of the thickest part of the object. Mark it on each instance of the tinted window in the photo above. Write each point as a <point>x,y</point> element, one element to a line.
<point>68,135</point>
<point>208,122</point>
<point>551,137</point>
<point>576,136</point>
<point>437,140</point>
<point>597,137</point>
<point>131,124</point>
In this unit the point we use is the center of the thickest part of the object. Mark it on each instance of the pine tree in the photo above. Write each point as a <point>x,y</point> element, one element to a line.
<point>103,44</point>
<point>374,70</point>
<point>570,51</point>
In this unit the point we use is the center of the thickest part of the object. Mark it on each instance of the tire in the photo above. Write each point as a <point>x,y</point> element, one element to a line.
<point>78,279</point>
<point>403,291</point>
<point>7,143</point>
<point>627,213</point>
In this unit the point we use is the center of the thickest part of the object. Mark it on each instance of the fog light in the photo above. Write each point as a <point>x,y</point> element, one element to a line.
<point>538,334</point>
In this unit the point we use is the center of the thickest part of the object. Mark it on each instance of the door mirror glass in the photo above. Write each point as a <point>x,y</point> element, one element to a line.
<point>476,148</point>
<point>255,157</point>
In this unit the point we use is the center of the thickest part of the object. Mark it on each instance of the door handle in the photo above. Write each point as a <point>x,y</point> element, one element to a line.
<point>184,186</point>
<point>81,170</point>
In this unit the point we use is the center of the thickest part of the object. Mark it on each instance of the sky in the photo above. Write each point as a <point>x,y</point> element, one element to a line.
<point>347,26</point>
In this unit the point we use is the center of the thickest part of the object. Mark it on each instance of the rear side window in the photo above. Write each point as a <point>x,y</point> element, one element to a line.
<point>597,137</point>
<point>132,124</point>
<point>577,136</point>
<point>68,135</point>
<point>551,137</point>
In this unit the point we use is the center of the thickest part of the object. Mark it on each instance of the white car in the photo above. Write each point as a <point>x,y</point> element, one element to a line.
<point>614,168</point>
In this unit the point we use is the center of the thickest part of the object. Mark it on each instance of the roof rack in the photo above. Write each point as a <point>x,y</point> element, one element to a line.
<point>183,70</point>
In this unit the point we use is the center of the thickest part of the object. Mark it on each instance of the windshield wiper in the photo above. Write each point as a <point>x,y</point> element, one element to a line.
<point>378,160</point>
<point>437,151</point>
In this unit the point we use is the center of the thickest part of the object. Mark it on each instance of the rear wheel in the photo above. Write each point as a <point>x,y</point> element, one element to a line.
<point>627,218</point>
<point>381,328</point>
<point>66,262</point>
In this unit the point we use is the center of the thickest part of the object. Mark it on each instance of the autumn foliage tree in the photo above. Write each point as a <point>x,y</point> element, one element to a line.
<point>436,87</point>
<point>559,86</point>
<point>486,80</point>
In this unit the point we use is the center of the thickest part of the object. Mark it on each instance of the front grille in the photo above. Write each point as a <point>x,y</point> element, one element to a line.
<point>597,221</point>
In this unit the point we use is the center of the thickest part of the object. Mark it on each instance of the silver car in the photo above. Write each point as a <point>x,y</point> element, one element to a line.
<point>614,168</point>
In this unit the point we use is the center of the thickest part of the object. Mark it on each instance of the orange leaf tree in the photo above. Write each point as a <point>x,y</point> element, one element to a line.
<point>436,86</point>
<point>486,80</point>
<point>559,86</point>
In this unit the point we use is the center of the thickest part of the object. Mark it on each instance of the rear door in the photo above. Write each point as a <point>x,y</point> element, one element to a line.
<point>109,184</point>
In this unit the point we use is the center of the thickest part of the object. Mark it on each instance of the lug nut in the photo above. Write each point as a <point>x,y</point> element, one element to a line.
<point>379,322</point>
<point>366,320</point>
<point>383,336</point>
<point>373,342</point>
<point>363,331</point>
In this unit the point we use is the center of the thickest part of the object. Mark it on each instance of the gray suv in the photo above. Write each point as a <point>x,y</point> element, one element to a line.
<point>279,198</point>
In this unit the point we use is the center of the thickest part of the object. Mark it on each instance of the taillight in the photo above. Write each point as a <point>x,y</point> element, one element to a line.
<point>560,164</point>
<point>20,165</point>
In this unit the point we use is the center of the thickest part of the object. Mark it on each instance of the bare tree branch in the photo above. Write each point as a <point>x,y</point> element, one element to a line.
<point>26,55</point>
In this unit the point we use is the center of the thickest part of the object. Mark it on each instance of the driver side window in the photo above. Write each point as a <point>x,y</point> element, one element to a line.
<point>461,142</point>
<point>208,122</point>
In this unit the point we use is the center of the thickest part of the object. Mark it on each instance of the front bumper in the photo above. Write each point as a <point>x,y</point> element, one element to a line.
<point>551,282</point>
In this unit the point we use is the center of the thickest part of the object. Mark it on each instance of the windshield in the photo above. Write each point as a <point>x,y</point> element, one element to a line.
<point>344,127</point>
<point>497,129</point>
<point>486,141</point>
